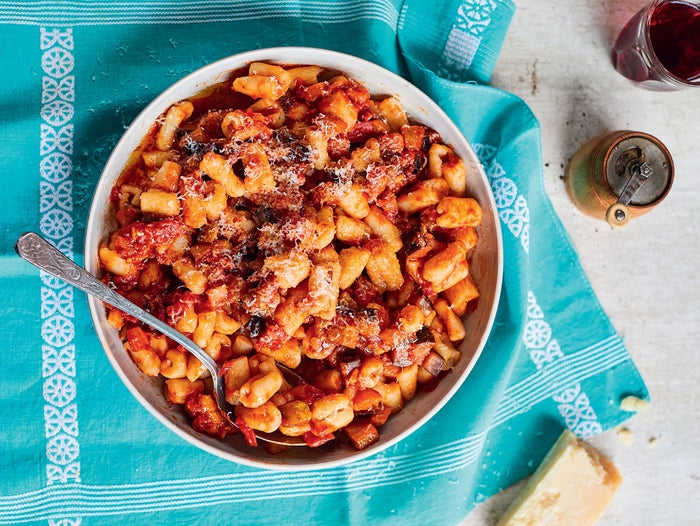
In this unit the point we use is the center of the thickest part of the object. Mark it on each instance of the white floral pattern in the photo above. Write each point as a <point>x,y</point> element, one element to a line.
<point>512,206</point>
<point>56,223</point>
<point>55,167</point>
<point>550,352</point>
<point>63,89</point>
<point>475,15</point>
<point>58,330</point>
<point>504,192</point>
<point>573,404</point>
<point>537,333</point>
<point>56,195</point>
<point>57,113</point>
<point>51,38</point>
<point>63,475</point>
<point>57,62</point>
<point>59,390</point>
<point>58,420</point>
<point>56,360</point>
<point>62,449</point>
<point>471,20</point>
<point>53,302</point>
<point>56,139</point>
<point>538,337</point>
<point>576,409</point>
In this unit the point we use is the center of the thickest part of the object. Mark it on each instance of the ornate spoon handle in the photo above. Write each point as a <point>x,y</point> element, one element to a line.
<point>42,254</point>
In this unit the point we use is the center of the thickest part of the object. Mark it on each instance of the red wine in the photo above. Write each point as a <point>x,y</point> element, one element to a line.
<point>659,48</point>
<point>674,32</point>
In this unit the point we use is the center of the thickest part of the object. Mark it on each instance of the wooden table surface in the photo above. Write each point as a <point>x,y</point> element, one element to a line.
<point>647,275</point>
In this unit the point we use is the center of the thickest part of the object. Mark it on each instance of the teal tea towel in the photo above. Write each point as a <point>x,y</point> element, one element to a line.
<point>77,448</point>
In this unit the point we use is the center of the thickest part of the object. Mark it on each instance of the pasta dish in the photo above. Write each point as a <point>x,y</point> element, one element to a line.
<point>288,216</point>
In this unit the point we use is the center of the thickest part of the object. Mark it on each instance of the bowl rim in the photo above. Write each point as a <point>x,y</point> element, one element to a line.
<point>214,72</point>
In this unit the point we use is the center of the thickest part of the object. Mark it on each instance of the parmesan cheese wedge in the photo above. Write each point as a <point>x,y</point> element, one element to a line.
<point>573,486</point>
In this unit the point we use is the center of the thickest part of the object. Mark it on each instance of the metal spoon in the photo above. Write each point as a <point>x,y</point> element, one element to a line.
<point>42,254</point>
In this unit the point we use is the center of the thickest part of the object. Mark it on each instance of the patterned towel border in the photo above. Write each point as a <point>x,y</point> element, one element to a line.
<point>74,13</point>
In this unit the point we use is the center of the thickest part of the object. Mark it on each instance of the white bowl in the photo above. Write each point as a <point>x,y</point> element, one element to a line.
<point>486,266</point>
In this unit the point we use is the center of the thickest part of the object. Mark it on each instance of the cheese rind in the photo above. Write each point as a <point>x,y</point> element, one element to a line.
<point>572,486</point>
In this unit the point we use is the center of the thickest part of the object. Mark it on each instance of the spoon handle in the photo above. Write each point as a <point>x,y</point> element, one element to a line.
<point>42,254</point>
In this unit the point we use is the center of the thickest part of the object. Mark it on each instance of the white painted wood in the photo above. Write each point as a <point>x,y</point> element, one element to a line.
<point>647,275</point>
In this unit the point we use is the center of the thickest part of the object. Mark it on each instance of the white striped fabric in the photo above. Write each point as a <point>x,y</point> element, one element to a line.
<point>72,13</point>
<point>96,500</point>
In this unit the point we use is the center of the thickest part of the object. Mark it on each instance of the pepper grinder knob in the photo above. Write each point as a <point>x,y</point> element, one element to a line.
<point>618,214</point>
